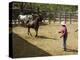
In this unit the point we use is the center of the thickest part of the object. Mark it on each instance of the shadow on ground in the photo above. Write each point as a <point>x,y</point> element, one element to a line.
<point>71,50</point>
<point>22,48</point>
<point>44,37</point>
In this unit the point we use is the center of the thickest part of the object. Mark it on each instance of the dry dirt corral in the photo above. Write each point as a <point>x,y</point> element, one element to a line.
<point>48,42</point>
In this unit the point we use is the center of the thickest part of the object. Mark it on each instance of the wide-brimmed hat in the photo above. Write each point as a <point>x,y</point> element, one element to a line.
<point>63,23</point>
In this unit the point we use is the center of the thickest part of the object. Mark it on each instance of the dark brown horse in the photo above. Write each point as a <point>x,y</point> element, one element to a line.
<point>34,23</point>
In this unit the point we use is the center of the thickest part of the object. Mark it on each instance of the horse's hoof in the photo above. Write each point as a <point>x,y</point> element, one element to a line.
<point>28,33</point>
<point>36,36</point>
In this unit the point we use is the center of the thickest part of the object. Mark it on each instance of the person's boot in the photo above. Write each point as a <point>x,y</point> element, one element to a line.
<point>65,49</point>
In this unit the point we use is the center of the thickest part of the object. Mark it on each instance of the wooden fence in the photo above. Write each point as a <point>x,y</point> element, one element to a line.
<point>64,16</point>
<point>54,16</point>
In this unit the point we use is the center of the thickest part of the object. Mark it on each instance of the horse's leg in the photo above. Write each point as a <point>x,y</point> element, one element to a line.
<point>36,32</point>
<point>29,31</point>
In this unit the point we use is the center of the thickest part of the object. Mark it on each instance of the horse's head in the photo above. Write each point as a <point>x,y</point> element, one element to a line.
<point>40,17</point>
<point>34,16</point>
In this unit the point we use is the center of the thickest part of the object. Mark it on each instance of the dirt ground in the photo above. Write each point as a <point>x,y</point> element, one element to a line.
<point>48,42</point>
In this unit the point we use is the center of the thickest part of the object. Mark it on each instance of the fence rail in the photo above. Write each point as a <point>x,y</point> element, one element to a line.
<point>55,16</point>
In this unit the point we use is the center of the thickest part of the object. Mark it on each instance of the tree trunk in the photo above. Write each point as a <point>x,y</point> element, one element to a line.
<point>21,7</point>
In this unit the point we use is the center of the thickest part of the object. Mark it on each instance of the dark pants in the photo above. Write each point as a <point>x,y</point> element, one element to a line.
<point>64,42</point>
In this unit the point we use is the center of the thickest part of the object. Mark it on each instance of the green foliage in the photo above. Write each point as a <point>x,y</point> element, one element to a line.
<point>46,7</point>
<point>50,11</point>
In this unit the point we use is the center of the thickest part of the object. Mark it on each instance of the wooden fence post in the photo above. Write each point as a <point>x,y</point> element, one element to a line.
<point>54,17</point>
<point>70,18</point>
<point>60,16</point>
<point>65,17</point>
